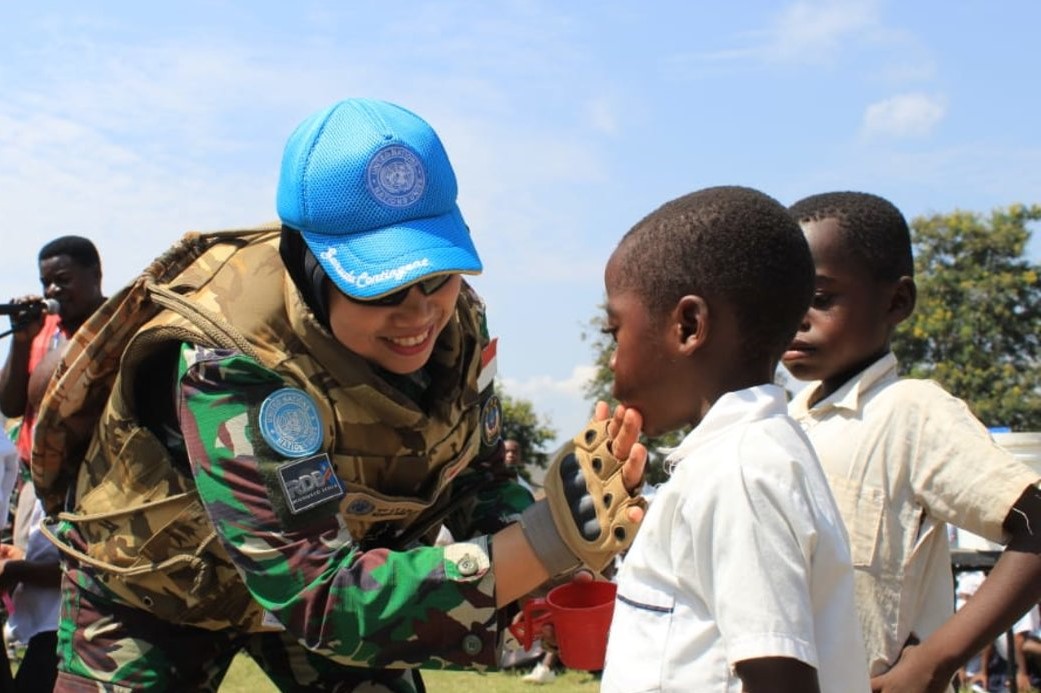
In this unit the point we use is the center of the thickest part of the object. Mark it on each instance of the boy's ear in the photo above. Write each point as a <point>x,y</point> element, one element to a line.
<point>692,323</point>
<point>902,301</point>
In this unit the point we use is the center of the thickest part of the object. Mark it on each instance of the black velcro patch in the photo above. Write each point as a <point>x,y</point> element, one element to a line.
<point>309,482</point>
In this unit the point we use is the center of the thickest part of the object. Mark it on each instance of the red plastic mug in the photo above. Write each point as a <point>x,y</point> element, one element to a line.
<point>580,613</point>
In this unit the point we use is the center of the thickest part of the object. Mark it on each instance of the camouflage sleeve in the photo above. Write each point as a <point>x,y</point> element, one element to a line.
<point>430,606</point>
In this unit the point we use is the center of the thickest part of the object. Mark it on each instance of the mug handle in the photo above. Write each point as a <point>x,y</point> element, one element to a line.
<point>536,614</point>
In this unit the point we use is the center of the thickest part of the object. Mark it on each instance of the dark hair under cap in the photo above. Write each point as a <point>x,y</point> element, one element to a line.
<point>306,273</point>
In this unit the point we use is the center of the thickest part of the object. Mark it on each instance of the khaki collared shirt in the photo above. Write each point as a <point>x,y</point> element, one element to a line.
<point>903,458</point>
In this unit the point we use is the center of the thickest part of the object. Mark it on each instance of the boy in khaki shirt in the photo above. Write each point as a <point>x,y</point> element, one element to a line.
<point>903,456</point>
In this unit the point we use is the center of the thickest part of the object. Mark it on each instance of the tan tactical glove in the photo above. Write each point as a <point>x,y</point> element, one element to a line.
<point>584,517</point>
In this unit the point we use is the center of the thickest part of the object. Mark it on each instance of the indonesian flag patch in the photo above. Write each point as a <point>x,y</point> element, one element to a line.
<point>488,365</point>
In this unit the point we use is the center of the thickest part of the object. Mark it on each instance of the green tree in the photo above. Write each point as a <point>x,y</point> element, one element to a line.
<point>599,388</point>
<point>523,424</point>
<point>976,326</point>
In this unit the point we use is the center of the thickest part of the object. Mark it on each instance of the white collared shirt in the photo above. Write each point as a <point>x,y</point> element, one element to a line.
<point>9,461</point>
<point>742,555</point>
<point>903,458</point>
<point>36,608</point>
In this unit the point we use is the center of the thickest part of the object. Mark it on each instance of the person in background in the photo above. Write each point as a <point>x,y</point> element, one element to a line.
<point>30,573</point>
<point>543,671</point>
<point>903,456</point>
<point>515,461</point>
<point>70,273</point>
<point>9,472</point>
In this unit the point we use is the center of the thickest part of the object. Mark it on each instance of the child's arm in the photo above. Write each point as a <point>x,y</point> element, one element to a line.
<point>1022,675</point>
<point>777,675</point>
<point>1013,586</point>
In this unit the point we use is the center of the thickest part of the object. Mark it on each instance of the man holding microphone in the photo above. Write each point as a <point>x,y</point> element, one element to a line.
<point>70,274</point>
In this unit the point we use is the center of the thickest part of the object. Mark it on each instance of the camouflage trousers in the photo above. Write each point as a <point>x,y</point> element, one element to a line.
<point>104,645</point>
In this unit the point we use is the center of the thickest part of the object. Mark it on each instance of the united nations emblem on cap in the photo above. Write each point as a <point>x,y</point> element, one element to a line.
<point>491,421</point>
<point>396,176</point>
<point>290,424</point>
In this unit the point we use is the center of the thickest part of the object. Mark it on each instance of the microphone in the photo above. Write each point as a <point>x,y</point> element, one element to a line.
<point>31,310</point>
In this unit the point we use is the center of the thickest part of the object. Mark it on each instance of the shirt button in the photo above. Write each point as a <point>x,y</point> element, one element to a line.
<point>467,566</point>
<point>472,644</point>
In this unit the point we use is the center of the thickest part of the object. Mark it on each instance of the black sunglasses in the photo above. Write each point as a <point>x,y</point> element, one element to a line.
<point>396,298</point>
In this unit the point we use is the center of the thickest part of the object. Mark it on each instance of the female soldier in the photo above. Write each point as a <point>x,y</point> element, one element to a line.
<point>289,415</point>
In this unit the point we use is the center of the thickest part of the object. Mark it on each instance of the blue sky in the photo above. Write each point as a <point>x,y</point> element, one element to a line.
<point>131,123</point>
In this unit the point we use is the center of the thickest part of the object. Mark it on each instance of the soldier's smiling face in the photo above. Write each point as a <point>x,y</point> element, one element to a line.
<point>397,338</point>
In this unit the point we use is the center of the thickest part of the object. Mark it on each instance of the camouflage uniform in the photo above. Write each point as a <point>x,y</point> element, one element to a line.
<point>185,542</point>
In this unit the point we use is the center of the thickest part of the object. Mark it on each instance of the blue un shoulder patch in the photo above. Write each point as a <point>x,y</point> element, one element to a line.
<point>290,424</point>
<point>309,482</point>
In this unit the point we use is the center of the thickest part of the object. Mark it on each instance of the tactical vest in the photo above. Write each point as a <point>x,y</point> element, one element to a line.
<point>139,521</point>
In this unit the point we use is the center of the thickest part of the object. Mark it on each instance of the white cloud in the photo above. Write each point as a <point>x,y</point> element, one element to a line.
<point>973,174</point>
<point>535,386</point>
<point>144,140</point>
<point>560,400</point>
<point>806,32</point>
<point>905,115</point>
<point>602,117</point>
<point>830,34</point>
<point>917,69</point>
<point>809,30</point>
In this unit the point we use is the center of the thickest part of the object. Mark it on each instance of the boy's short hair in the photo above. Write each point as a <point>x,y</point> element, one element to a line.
<point>81,250</point>
<point>876,230</point>
<point>730,243</point>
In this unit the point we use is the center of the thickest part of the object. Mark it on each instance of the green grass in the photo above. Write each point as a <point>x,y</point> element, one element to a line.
<point>506,682</point>
<point>245,677</point>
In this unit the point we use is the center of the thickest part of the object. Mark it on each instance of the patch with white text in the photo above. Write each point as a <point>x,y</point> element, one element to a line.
<point>309,482</point>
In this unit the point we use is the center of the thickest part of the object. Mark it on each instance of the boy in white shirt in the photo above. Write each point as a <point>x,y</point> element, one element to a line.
<point>740,576</point>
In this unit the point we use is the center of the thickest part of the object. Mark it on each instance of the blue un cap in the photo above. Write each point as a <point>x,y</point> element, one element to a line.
<point>369,187</point>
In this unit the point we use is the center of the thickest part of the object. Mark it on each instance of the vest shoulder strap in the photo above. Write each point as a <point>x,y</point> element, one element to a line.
<point>83,381</point>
